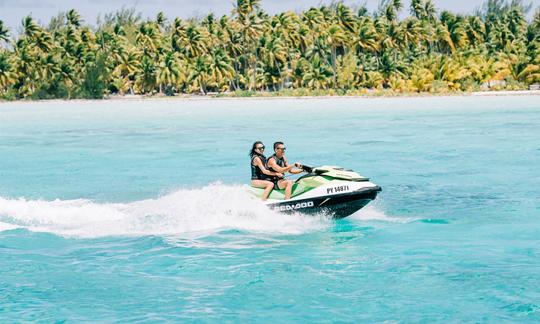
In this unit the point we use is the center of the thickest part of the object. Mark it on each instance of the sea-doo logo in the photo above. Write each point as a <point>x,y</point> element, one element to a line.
<point>295,206</point>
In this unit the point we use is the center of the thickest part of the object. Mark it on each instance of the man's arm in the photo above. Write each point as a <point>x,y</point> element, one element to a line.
<point>296,171</point>
<point>272,163</point>
<point>291,168</point>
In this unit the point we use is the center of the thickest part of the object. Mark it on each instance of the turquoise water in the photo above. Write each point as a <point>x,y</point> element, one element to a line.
<point>134,211</point>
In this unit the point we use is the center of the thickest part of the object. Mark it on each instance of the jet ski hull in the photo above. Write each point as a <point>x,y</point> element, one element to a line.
<point>337,205</point>
<point>331,190</point>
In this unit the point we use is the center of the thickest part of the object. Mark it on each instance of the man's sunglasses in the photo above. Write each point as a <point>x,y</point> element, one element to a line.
<point>282,148</point>
<point>260,148</point>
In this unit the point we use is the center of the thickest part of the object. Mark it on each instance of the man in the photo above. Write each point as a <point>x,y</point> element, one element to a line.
<point>278,163</point>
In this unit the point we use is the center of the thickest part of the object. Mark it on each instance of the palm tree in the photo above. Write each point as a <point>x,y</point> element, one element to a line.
<point>168,71</point>
<point>126,67</point>
<point>348,71</point>
<point>389,63</point>
<point>148,39</point>
<point>366,39</point>
<point>410,33</point>
<point>455,26</point>
<point>49,67</point>
<point>325,46</point>
<point>519,68</point>
<point>345,17</point>
<point>73,18</point>
<point>475,30</point>
<point>389,9</point>
<point>274,55</point>
<point>220,68</point>
<point>199,73</point>
<point>7,74</point>
<point>246,8</point>
<point>421,80</point>
<point>4,32</point>
<point>423,10</point>
<point>31,29</point>
<point>251,30</point>
<point>317,76</point>
<point>449,71</point>
<point>147,78</point>
<point>195,42</point>
<point>336,38</point>
<point>372,80</point>
<point>161,20</point>
<point>443,39</point>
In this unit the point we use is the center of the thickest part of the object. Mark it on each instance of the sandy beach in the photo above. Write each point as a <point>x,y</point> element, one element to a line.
<point>259,96</point>
<point>269,96</point>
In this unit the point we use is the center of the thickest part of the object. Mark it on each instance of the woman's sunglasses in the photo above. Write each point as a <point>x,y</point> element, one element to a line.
<point>260,148</point>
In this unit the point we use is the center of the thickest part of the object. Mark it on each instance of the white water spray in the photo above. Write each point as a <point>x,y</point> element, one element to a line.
<point>202,211</point>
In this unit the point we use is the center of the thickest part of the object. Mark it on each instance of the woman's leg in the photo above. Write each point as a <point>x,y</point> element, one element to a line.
<point>287,185</point>
<point>267,185</point>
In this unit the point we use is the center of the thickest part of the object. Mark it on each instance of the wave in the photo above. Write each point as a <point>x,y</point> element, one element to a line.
<point>194,212</point>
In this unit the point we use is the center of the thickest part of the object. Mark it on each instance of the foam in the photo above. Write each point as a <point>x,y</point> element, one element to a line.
<point>7,227</point>
<point>184,213</point>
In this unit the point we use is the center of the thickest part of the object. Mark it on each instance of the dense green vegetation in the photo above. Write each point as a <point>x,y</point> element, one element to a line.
<point>330,49</point>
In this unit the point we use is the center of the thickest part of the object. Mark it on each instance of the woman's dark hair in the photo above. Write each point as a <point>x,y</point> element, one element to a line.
<point>252,152</point>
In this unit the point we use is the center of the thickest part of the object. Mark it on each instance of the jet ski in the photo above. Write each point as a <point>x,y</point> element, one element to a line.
<point>328,189</point>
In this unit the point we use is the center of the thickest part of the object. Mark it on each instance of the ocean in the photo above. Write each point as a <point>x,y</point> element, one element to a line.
<point>137,211</point>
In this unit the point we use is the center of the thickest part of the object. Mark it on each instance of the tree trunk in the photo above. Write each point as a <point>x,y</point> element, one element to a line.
<point>334,66</point>
<point>203,92</point>
<point>254,75</point>
<point>280,77</point>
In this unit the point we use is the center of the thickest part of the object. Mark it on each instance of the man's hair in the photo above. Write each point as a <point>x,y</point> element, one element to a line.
<point>276,144</point>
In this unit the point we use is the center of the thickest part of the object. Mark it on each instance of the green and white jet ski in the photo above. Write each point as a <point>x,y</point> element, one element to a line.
<point>328,189</point>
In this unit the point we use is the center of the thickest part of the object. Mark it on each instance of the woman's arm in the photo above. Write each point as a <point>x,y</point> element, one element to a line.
<point>264,170</point>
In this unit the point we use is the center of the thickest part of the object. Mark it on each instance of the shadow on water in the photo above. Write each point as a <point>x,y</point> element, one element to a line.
<point>359,143</point>
<point>435,221</point>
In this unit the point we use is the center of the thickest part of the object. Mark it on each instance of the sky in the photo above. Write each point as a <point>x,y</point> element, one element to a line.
<point>12,11</point>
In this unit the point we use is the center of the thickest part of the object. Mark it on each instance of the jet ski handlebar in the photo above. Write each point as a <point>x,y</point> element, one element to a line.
<point>306,168</point>
<point>309,169</point>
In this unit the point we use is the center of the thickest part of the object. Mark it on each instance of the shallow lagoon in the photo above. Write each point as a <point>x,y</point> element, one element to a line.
<point>133,210</point>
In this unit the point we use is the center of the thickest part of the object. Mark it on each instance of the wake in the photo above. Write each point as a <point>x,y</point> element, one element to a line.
<point>199,212</point>
<point>182,213</point>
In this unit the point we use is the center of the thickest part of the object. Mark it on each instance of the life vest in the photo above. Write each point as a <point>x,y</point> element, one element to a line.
<point>256,172</point>
<point>280,162</point>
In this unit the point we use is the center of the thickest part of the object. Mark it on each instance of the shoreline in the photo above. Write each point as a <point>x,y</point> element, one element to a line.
<point>264,96</point>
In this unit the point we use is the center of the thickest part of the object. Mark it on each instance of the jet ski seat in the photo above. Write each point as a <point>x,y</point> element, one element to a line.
<point>297,189</point>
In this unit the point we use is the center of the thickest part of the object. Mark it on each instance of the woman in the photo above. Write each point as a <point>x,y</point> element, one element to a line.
<point>259,173</point>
